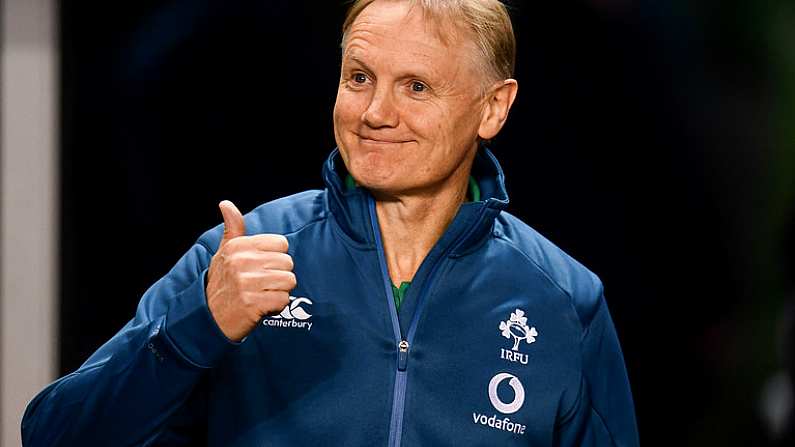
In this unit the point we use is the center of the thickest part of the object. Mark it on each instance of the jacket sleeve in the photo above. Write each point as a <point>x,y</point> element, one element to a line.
<point>604,413</point>
<point>128,392</point>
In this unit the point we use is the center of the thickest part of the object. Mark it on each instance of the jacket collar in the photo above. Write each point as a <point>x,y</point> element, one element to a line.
<point>350,208</point>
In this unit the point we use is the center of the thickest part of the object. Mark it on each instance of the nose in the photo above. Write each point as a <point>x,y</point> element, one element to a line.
<point>381,112</point>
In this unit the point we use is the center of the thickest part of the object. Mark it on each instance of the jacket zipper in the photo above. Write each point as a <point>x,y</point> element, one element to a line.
<point>403,346</point>
<point>399,398</point>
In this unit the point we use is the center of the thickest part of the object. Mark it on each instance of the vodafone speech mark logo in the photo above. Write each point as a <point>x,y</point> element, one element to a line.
<point>500,422</point>
<point>518,393</point>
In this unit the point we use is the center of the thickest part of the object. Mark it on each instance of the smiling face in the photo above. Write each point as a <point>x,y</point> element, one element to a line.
<point>409,106</point>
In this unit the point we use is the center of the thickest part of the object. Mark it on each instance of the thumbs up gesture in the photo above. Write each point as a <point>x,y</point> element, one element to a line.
<point>249,277</point>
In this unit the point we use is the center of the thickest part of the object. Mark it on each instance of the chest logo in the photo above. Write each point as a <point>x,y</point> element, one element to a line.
<point>294,309</point>
<point>518,393</point>
<point>503,423</point>
<point>516,327</point>
<point>292,316</point>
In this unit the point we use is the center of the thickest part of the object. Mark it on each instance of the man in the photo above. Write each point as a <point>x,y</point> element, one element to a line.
<point>399,306</point>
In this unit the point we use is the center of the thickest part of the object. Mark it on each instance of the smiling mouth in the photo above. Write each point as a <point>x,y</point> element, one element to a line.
<point>370,140</point>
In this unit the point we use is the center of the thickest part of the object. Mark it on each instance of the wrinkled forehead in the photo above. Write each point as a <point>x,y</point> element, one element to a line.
<point>402,25</point>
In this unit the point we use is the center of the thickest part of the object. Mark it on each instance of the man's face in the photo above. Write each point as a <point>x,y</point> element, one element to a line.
<point>409,105</point>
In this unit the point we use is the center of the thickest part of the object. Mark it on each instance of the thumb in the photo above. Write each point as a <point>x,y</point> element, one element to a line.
<point>233,221</point>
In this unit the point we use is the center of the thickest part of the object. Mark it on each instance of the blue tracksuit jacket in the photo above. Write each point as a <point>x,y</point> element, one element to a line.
<point>501,340</point>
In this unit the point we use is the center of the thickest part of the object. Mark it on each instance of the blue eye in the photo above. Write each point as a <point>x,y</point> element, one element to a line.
<point>418,87</point>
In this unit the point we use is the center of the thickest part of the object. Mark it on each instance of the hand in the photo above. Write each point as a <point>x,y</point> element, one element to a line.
<point>249,277</point>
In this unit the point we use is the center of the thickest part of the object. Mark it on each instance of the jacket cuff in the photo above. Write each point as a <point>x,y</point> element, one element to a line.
<point>192,330</point>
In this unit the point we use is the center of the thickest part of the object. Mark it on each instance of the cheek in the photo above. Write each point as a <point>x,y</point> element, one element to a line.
<point>342,119</point>
<point>463,127</point>
<point>446,128</point>
<point>348,108</point>
<point>423,120</point>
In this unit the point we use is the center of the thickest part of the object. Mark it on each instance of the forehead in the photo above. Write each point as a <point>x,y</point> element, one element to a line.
<point>397,30</point>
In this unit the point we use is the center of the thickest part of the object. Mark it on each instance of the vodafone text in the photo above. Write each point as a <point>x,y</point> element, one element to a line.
<point>500,424</point>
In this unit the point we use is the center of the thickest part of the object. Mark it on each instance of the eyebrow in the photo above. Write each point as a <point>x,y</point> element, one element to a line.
<point>353,58</point>
<point>426,76</point>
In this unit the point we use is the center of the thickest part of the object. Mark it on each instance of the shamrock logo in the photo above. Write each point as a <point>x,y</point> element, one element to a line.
<point>516,327</point>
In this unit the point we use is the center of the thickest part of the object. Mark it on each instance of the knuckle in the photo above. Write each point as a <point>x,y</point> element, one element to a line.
<point>278,300</point>
<point>241,259</point>
<point>228,257</point>
<point>281,280</point>
<point>271,277</point>
<point>273,308</point>
<point>245,300</point>
<point>292,281</point>
<point>238,276</point>
<point>233,260</point>
<point>240,243</point>
<point>271,261</point>
<point>231,244</point>
<point>281,261</point>
<point>280,243</point>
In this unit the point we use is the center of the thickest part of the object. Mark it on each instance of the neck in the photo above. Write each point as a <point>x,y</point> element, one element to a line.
<point>412,224</point>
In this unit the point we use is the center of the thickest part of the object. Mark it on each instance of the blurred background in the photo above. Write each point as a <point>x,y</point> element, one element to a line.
<point>653,141</point>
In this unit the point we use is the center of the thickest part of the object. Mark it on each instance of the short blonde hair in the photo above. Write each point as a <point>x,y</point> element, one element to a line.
<point>487,21</point>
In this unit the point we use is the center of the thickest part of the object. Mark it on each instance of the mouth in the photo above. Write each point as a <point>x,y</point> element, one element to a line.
<point>370,139</point>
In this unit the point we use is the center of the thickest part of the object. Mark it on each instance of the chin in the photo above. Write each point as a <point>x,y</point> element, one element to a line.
<point>379,168</point>
<point>372,177</point>
<point>381,178</point>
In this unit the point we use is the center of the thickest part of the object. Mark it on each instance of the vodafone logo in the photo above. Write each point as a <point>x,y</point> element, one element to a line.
<point>518,393</point>
<point>503,423</point>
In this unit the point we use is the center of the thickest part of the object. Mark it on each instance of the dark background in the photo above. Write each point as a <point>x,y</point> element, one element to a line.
<point>653,141</point>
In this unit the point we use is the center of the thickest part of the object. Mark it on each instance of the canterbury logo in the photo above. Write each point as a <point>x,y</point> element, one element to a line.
<point>294,311</point>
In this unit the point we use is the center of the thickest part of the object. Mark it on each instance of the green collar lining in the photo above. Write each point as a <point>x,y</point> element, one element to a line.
<point>400,292</point>
<point>350,183</point>
<point>474,190</point>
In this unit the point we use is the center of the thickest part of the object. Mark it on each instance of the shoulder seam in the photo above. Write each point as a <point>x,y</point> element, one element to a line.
<point>204,245</point>
<point>540,269</point>
<point>550,279</point>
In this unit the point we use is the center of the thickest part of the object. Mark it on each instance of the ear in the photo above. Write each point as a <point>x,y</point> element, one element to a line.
<point>498,104</point>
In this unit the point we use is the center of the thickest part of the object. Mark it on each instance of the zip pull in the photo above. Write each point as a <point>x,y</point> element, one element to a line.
<point>403,355</point>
